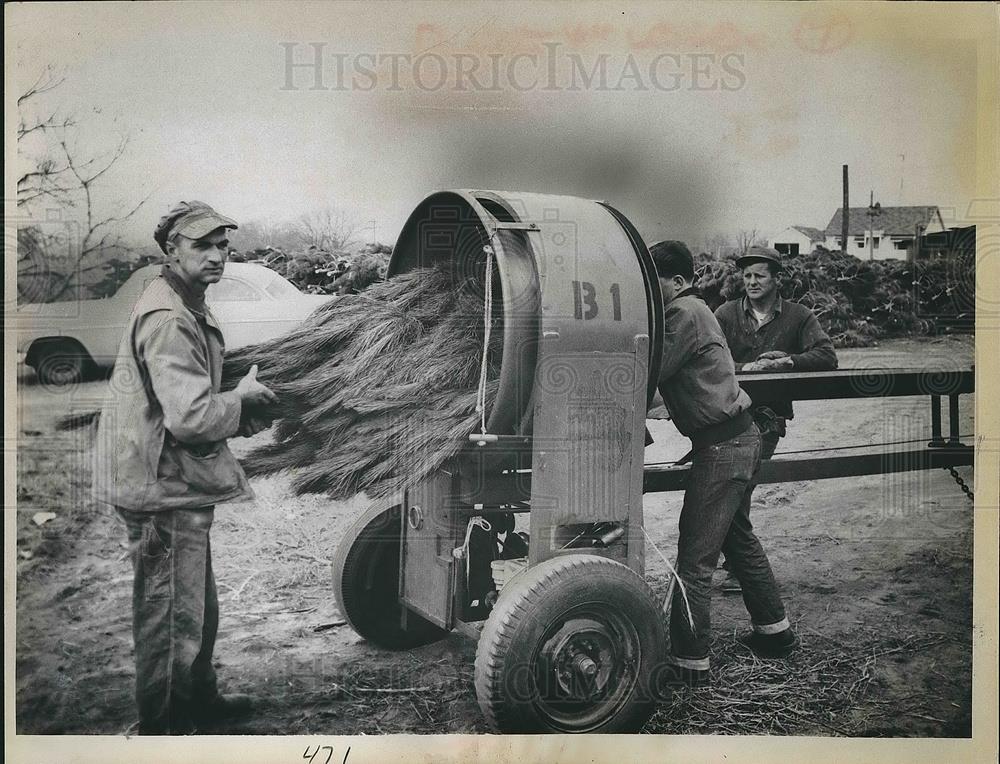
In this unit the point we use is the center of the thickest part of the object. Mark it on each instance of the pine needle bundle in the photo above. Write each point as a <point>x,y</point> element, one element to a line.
<point>376,390</point>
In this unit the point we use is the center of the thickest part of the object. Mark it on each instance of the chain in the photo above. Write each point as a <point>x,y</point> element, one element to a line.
<point>961,483</point>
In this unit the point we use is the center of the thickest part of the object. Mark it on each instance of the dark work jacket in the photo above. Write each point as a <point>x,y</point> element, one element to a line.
<point>697,375</point>
<point>793,329</point>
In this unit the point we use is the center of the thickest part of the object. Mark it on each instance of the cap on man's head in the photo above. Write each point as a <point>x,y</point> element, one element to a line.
<point>758,254</point>
<point>191,219</point>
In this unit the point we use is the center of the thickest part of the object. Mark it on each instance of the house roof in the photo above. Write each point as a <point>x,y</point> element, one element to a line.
<point>814,234</point>
<point>892,220</point>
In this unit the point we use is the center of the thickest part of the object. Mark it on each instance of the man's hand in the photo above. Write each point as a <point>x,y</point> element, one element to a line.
<point>252,392</point>
<point>785,362</point>
<point>772,355</point>
<point>769,364</point>
<point>252,425</point>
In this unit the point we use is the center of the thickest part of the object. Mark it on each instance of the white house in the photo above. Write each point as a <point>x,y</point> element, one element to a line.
<point>796,239</point>
<point>884,236</point>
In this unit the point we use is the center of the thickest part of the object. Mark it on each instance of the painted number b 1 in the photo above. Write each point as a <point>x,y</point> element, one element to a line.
<point>585,301</point>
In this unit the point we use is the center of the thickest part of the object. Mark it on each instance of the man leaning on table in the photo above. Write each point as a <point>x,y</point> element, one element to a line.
<point>767,333</point>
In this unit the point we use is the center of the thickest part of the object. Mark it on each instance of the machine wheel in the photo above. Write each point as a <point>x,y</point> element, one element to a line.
<point>366,583</point>
<point>571,646</point>
<point>63,362</point>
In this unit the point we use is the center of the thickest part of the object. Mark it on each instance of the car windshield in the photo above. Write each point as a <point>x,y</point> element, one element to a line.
<point>280,288</point>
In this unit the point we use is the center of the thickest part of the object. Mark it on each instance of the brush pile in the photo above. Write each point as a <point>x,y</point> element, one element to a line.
<point>859,302</point>
<point>376,390</point>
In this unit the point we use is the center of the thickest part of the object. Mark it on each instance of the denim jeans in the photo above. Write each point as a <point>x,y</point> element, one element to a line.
<point>716,518</point>
<point>768,445</point>
<point>175,616</point>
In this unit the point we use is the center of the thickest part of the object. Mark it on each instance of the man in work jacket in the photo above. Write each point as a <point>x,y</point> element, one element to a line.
<point>697,380</point>
<point>162,461</point>
<point>766,333</point>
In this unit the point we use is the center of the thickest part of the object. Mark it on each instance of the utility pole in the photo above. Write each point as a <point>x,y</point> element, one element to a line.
<point>918,230</point>
<point>844,219</point>
<point>902,169</point>
<point>871,226</point>
<point>874,210</point>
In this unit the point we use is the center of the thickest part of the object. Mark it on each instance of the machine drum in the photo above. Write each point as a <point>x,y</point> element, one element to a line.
<point>570,646</point>
<point>366,583</point>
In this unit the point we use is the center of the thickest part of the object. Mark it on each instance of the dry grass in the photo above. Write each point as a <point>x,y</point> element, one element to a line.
<point>53,475</point>
<point>825,688</point>
<point>417,699</point>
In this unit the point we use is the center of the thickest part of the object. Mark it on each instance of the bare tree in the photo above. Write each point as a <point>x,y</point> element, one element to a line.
<point>55,175</point>
<point>264,233</point>
<point>328,229</point>
<point>746,239</point>
<point>41,176</point>
<point>718,245</point>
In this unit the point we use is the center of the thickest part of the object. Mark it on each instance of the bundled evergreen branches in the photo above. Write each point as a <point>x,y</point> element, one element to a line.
<point>376,390</point>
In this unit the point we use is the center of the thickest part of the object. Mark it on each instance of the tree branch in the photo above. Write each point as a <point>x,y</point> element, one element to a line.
<point>69,179</point>
<point>46,81</point>
<point>49,123</point>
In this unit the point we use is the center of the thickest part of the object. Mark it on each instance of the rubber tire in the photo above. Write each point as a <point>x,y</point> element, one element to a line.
<point>366,583</point>
<point>60,363</point>
<point>529,606</point>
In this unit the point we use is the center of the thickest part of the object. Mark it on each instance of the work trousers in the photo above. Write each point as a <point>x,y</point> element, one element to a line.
<point>715,518</point>
<point>768,445</point>
<point>175,616</point>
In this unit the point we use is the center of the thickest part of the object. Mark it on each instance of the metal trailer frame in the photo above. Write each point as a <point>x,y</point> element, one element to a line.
<point>939,452</point>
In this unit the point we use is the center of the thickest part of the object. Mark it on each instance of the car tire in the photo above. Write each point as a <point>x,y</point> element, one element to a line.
<point>61,363</point>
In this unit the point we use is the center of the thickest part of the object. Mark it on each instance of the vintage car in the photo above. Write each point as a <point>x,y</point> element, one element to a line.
<point>65,341</point>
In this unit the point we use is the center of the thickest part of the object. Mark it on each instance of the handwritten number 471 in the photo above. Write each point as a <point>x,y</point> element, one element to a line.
<point>311,757</point>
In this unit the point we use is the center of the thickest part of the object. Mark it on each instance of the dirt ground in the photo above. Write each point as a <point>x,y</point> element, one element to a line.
<point>876,573</point>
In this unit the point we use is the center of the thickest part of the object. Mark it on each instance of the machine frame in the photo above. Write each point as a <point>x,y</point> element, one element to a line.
<point>572,642</point>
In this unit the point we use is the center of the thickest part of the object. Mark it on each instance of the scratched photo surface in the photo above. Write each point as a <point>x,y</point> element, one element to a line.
<point>573,137</point>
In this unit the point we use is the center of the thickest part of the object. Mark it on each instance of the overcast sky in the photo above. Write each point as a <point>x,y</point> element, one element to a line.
<point>710,119</point>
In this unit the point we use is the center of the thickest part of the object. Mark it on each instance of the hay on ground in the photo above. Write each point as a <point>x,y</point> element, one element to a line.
<point>825,688</point>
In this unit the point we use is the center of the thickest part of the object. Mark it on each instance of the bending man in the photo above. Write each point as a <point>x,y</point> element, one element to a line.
<point>698,383</point>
